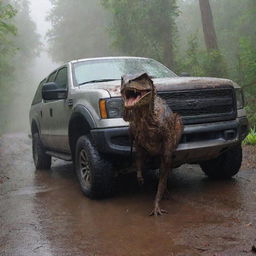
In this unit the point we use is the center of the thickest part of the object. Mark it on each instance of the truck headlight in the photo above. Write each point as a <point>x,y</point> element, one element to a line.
<point>239,98</point>
<point>111,108</point>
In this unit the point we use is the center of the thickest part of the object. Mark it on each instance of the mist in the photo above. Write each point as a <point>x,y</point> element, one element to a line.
<point>79,40</point>
<point>26,84</point>
<point>50,33</point>
<point>30,64</point>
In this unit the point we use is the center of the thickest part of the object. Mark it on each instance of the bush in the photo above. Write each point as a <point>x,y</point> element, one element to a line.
<point>251,137</point>
<point>199,62</point>
<point>247,76</point>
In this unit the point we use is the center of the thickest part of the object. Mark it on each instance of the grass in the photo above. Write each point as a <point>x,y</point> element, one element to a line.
<point>251,137</point>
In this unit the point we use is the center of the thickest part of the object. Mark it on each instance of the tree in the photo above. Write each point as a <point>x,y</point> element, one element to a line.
<point>144,27</point>
<point>78,30</point>
<point>208,26</point>
<point>247,75</point>
<point>27,40</point>
<point>19,44</point>
<point>7,13</point>
<point>215,65</point>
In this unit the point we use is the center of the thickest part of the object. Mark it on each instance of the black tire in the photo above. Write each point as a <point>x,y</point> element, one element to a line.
<point>224,166</point>
<point>95,173</point>
<point>41,159</point>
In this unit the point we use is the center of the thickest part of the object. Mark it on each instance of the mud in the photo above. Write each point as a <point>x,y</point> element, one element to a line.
<point>44,212</point>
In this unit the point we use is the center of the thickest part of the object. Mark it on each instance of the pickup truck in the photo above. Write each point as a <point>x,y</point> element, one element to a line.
<point>76,115</point>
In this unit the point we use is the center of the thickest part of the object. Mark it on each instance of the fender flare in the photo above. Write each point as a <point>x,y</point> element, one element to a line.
<point>81,110</point>
<point>35,122</point>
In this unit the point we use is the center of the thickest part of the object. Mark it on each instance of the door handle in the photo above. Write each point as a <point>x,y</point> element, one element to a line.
<point>51,112</point>
<point>70,102</point>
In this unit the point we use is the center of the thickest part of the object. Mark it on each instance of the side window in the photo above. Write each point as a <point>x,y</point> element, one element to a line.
<point>61,78</point>
<point>38,96</point>
<point>51,77</point>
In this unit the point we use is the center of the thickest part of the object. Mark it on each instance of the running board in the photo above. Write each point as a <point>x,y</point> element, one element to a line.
<point>62,156</point>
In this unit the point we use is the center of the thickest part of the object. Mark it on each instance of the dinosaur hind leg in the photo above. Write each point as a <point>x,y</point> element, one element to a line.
<point>140,159</point>
<point>162,187</point>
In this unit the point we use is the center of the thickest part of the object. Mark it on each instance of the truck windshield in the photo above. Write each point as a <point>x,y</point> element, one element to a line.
<point>102,70</point>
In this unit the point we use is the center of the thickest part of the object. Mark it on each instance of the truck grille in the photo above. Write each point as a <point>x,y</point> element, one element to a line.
<point>202,105</point>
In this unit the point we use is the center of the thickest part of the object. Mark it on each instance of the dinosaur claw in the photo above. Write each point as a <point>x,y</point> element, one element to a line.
<point>157,211</point>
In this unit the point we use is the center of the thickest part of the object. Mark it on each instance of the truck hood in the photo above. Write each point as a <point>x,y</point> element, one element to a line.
<point>166,84</point>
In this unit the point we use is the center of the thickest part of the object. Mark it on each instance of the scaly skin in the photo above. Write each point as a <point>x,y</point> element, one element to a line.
<point>155,128</point>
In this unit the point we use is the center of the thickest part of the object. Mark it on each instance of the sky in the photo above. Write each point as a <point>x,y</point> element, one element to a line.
<point>39,10</point>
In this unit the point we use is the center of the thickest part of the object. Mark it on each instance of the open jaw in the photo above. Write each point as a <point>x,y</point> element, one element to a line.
<point>133,96</point>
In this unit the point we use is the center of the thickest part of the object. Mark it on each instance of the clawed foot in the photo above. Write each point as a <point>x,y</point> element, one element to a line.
<point>158,211</point>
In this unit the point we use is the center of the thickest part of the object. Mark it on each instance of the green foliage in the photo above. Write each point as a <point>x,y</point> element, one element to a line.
<point>19,43</point>
<point>247,63</point>
<point>7,12</point>
<point>251,137</point>
<point>144,28</point>
<point>247,75</point>
<point>191,61</point>
<point>27,41</point>
<point>199,62</point>
<point>251,109</point>
<point>214,64</point>
<point>7,50</point>
<point>233,19</point>
<point>78,30</point>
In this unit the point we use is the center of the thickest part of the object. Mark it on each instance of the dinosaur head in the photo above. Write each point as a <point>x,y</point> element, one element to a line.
<point>137,90</point>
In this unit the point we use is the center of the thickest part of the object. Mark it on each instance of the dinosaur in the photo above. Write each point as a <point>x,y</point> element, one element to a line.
<point>155,129</point>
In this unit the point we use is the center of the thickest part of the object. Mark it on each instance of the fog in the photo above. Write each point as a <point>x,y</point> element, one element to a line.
<point>16,116</point>
<point>39,10</point>
<point>18,111</point>
<point>56,31</point>
<point>27,74</point>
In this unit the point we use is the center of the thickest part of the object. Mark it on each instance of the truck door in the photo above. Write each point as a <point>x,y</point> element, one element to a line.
<point>59,114</point>
<point>45,115</point>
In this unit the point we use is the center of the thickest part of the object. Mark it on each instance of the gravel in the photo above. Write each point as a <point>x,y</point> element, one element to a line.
<point>249,157</point>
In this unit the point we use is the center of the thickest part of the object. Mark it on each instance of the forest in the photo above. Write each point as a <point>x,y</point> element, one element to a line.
<point>19,45</point>
<point>215,39</point>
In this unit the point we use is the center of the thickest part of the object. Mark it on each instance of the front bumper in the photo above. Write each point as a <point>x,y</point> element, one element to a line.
<point>199,141</point>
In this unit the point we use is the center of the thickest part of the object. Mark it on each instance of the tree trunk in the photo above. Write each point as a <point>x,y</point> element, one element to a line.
<point>168,28</point>
<point>208,26</point>
<point>168,51</point>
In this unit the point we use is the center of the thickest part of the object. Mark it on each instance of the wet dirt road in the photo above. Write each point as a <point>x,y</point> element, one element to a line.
<point>44,212</point>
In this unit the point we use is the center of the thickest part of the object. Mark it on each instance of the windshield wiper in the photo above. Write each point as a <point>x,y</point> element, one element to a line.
<point>98,81</point>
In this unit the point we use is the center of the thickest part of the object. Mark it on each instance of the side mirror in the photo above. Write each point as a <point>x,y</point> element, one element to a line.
<point>50,91</point>
<point>184,74</point>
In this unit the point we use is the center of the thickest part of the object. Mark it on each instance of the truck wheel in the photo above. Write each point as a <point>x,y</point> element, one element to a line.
<point>94,172</point>
<point>41,160</point>
<point>224,166</point>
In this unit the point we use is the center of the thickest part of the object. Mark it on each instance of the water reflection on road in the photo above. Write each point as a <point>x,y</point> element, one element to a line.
<point>44,212</point>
